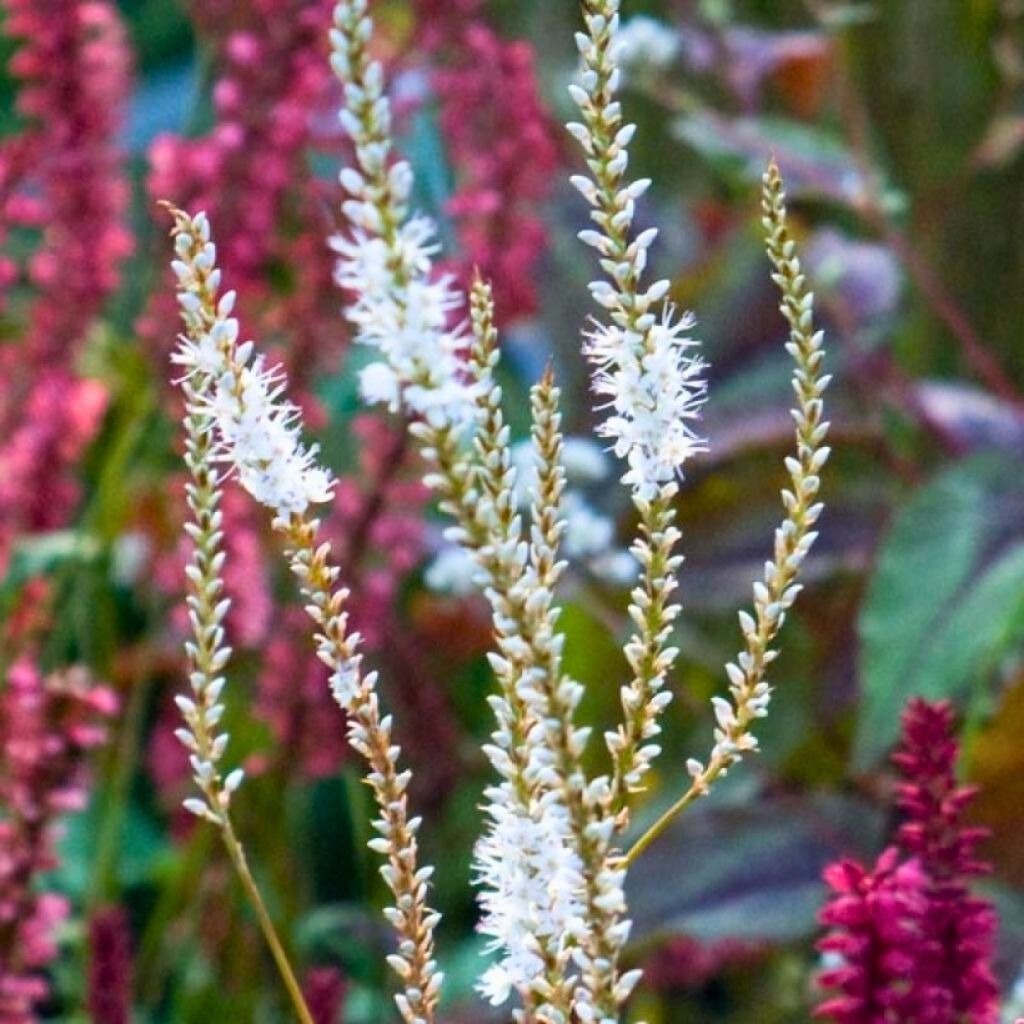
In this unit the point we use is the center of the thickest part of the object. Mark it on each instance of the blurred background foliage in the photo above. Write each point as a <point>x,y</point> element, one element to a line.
<point>900,127</point>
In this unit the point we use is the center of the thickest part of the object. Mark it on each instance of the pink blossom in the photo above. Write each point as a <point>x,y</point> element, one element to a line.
<point>57,419</point>
<point>501,141</point>
<point>47,725</point>
<point>914,944</point>
<point>876,918</point>
<point>274,105</point>
<point>74,68</point>
<point>960,927</point>
<point>62,179</point>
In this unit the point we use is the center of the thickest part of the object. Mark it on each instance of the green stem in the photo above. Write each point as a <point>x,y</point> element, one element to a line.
<point>237,854</point>
<point>689,797</point>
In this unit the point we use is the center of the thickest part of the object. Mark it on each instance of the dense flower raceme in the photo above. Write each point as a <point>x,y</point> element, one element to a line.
<point>492,115</point>
<point>959,927</point>
<point>877,917</point>
<point>61,179</point>
<point>909,938</point>
<point>531,883</point>
<point>232,400</point>
<point>386,260</point>
<point>558,943</point>
<point>655,389</point>
<point>47,726</point>
<point>57,418</point>
<point>257,430</point>
<point>67,180</point>
<point>403,313</point>
<point>643,363</point>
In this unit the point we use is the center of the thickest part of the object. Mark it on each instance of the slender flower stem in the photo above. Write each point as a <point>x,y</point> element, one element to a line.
<point>207,654</point>
<point>239,401</point>
<point>793,539</point>
<point>238,859</point>
<point>370,734</point>
<point>480,496</point>
<point>405,313</point>
<point>654,390</point>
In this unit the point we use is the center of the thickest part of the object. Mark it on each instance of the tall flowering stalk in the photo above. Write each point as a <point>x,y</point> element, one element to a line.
<point>548,866</point>
<point>875,919</point>
<point>257,434</point>
<point>749,692</point>
<point>405,313</point>
<point>66,170</point>
<point>959,927</point>
<point>653,385</point>
<point>208,325</point>
<point>62,182</point>
<point>912,944</point>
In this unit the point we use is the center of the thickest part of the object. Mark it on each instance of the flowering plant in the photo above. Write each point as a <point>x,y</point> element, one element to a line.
<point>550,865</point>
<point>409,626</point>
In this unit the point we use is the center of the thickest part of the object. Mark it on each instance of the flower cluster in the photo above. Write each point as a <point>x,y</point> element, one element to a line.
<point>876,920</point>
<point>909,938</point>
<point>655,389</point>
<point>561,959</point>
<point>47,726</point>
<point>228,392</point>
<point>492,116</point>
<point>531,884</point>
<point>774,595</point>
<point>63,183</point>
<point>957,981</point>
<point>643,363</point>
<point>57,418</point>
<point>548,866</point>
<point>399,308</point>
<point>257,432</point>
<point>251,172</point>
<point>64,175</point>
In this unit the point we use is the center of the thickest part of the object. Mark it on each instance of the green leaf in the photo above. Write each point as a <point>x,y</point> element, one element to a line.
<point>946,599</point>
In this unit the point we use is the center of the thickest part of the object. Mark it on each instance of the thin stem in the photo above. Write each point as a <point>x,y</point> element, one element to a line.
<point>666,819</point>
<point>773,597</point>
<point>284,967</point>
<point>207,653</point>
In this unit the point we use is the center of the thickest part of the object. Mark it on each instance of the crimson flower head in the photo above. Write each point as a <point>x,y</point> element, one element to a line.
<point>960,927</point>
<point>876,919</point>
<point>913,944</point>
